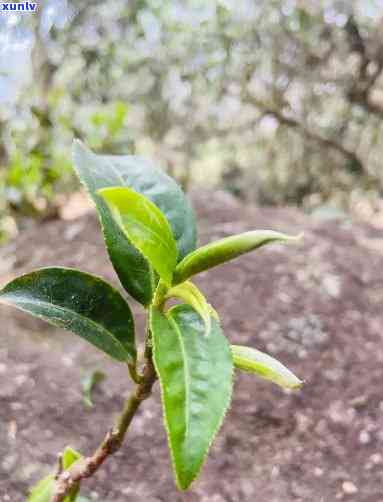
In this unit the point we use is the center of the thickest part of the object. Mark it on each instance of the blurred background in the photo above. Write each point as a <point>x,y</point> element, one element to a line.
<point>279,102</point>
<point>270,113</point>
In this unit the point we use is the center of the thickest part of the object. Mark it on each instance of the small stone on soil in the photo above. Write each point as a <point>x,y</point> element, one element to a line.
<point>349,488</point>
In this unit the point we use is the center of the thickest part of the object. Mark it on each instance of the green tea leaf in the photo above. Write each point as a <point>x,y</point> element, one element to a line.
<point>195,374</point>
<point>78,302</point>
<point>101,171</point>
<point>224,250</point>
<point>43,490</point>
<point>265,366</point>
<point>69,457</point>
<point>146,228</point>
<point>191,295</point>
<point>88,382</point>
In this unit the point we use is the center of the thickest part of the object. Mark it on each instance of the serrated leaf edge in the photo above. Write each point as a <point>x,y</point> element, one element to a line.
<point>119,222</point>
<point>219,424</point>
<point>150,268</point>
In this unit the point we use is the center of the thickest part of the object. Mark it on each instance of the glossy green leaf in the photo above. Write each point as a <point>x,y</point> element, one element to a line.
<point>195,374</point>
<point>89,382</point>
<point>146,228</point>
<point>265,366</point>
<point>191,295</point>
<point>101,171</point>
<point>43,490</point>
<point>224,250</point>
<point>78,302</point>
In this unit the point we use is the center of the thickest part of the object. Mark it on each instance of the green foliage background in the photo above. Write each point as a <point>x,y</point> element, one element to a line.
<point>279,102</point>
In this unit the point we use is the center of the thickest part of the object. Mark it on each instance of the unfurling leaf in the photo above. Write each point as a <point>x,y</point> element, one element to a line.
<point>77,302</point>
<point>43,490</point>
<point>70,457</point>
<point>265,366</point>
<point>191,295</point>
<point>146,228</point>
<point>101,171</point>
<point>224,250</point>
<point>195,374</point>
<point>88,382</point>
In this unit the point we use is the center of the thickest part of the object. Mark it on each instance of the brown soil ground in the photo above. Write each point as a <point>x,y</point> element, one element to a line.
<point>317,307</point>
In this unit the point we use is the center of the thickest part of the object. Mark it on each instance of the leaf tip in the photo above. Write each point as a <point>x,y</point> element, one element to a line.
<point>292,239</point>
<point>299,238</point>
<point>297,385</point>
<point>183,484</point>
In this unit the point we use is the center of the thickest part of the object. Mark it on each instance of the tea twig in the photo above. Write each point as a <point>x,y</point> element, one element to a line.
<point>113,440</point>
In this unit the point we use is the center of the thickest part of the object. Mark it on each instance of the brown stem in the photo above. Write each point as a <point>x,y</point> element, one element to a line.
<point>112,442</point>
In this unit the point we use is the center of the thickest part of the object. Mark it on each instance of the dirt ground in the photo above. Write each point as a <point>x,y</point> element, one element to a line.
<point>317,307</point>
